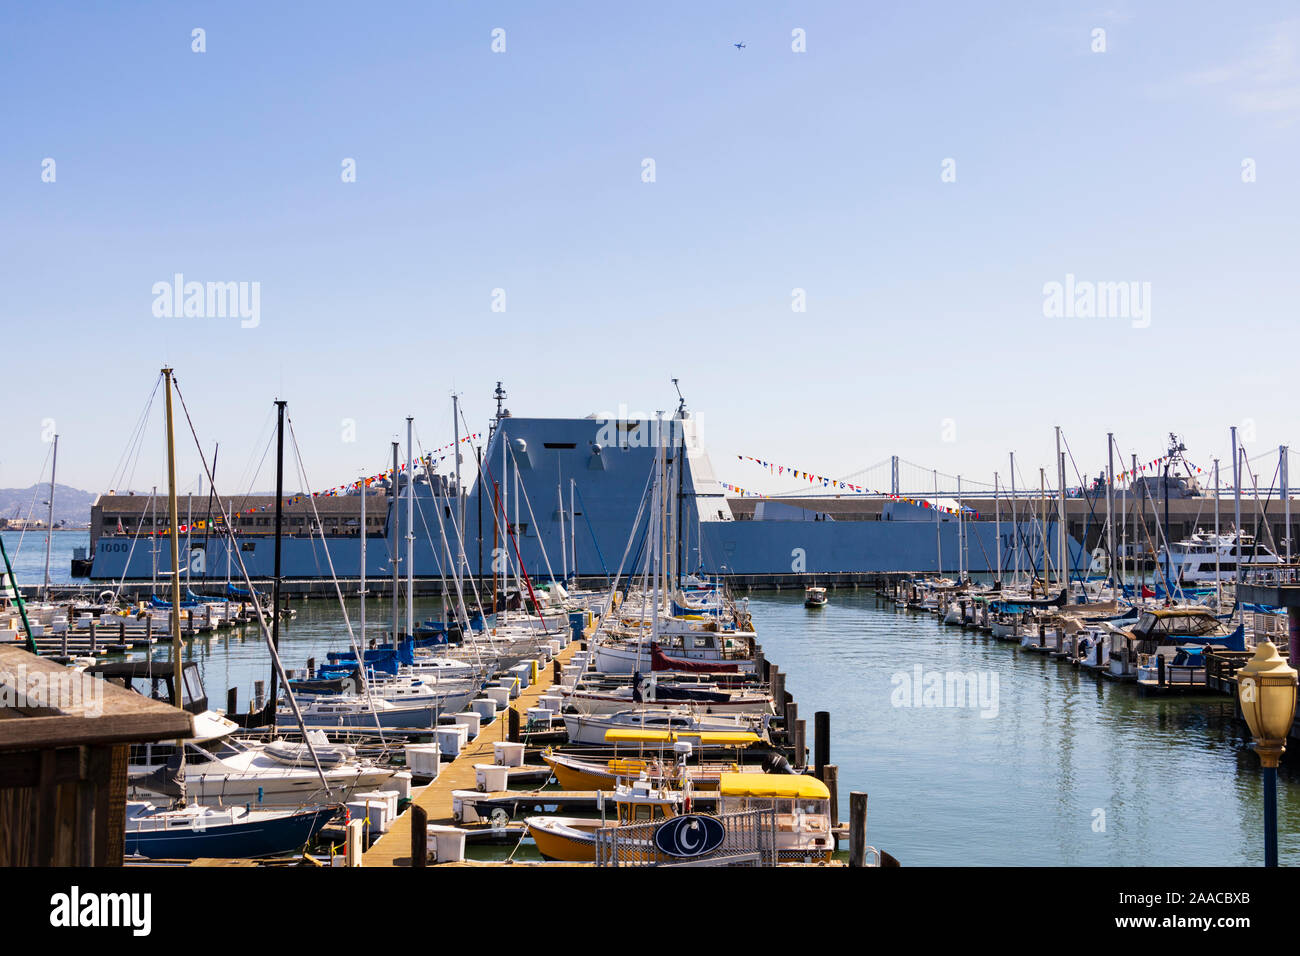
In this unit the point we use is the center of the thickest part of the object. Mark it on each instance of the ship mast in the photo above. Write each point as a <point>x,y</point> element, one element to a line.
<point>174,617</point>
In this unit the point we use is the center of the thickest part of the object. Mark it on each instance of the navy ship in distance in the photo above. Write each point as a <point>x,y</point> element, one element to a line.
<point>573,492</point>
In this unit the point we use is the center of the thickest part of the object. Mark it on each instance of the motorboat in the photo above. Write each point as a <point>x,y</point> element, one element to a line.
<point>815,597</point>
<point>591,728</point>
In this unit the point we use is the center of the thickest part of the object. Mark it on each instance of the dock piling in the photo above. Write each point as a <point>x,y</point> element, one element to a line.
<point>821,742</point>
<point>419,835</point>
<point>830,776</point>
<point>857,829</point>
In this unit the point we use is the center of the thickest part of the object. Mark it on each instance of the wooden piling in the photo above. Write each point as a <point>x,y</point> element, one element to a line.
<point>419,835</point>
<point>514,725</point>
<point>800,744</point>
<point>830,776</point>
<point>821,741</point>
<point>857,829</point>
<point>232,700</point>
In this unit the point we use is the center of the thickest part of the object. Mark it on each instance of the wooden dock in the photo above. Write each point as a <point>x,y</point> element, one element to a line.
<point>394,847</point>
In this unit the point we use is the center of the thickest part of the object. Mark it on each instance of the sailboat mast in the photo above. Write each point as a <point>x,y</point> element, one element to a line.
<point>1110,506</point>
<point>153,541</point>
<point>174,617</point>
<point>279,529</point>
<point>395,518</point>
<point>1061,547</point>
<point>997,529</point>
<point>564,551</point>
<point>1218,545</point>
<point>1015,525</point>
<point>363,562</point>
<point>505,515</point>
<point>462,562</point>
<point>1286,496</point>
<point>573,527</point>
<point>49,522</point>
<point>1236,507</point>
<point>938,530</point>
<point>961,533</point>
<point>410,531</point>
<point>189,534</point>
<point>1042,525</point>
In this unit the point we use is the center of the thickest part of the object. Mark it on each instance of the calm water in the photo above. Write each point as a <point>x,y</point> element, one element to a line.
<point>947,786</point>
<point>1170,778</point>
<point>27,554</point>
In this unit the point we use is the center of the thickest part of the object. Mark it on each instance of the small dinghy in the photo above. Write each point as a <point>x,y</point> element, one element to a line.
<point>299,754</point>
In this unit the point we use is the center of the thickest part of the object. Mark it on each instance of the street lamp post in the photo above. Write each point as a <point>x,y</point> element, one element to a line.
<point>1266,690</point>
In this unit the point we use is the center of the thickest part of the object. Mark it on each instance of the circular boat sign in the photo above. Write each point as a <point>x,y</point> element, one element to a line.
<point>690,835</point>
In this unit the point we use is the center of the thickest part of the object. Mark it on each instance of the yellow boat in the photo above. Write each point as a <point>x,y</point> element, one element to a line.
<point>574,772</point>
<point>802,804</point>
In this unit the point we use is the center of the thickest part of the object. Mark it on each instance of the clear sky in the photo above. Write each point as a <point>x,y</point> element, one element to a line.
<point>925,331</point>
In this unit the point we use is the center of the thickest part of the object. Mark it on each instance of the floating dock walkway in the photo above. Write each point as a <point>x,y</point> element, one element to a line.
<point>394,847</point>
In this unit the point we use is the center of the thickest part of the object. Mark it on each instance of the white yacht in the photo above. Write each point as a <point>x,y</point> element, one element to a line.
<point>1194,558</point>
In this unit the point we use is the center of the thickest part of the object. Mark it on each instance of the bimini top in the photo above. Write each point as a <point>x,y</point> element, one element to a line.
<point>712,738</point>
<point>783,786</point>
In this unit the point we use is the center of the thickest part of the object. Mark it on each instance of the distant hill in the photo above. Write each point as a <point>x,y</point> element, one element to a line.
<point>71,505</point>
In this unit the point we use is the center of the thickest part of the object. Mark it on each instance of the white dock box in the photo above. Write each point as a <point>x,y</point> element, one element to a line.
<point>401,782</point>
<point>373,809</point>
<point>501,695</point>
<point>485,707</point>
<point>452,739</point>
<point>508,753</point>
<point>424,759</point>
<point>389,798</point>
<point>446,843</point>
<point>464,810</point>
<point>552,702</point>
<point>524,672</point>
<point>490,778</point>
<point>470,719</point>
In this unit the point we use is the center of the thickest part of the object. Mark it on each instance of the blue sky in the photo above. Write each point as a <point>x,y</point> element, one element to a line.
<point>774,170</point>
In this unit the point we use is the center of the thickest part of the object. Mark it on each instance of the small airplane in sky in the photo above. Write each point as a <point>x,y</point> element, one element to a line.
<point>739,46</point>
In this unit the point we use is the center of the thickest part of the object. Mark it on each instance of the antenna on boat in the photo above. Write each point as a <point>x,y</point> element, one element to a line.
<point>500,395</point>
